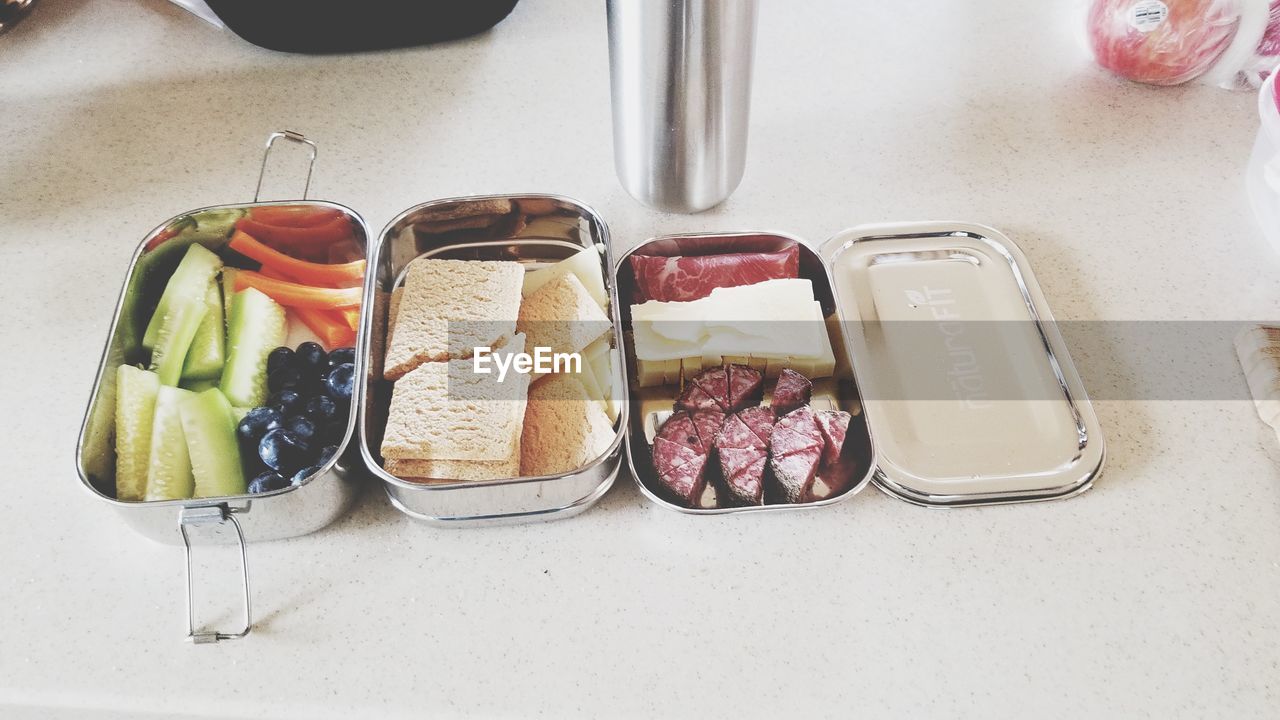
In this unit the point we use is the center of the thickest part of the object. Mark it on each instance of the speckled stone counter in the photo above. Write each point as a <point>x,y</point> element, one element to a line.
<point>1156,594</point>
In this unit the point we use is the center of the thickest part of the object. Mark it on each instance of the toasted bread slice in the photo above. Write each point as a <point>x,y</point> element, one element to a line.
<point>437,471</point>
<point>451,307</point>
<point>446,411</point>
<point>564,429</point>
<point>393,310</point>
<point>470,208</point>
<point>562,316</point>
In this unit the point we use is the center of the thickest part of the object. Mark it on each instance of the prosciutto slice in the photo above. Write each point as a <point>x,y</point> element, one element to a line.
<point>682,278</point>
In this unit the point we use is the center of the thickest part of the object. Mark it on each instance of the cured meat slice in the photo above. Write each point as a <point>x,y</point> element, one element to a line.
<point>743,470</point>
<point>693,398</point>
<point>742,446</point>
<point>680,429</point>
<point>760,421</point>
<point>795,450</point>
<point>834,425</point>
<point>682,278</point>
<point>793,474</point>
<point>727,389</point>
<point>796,432</point>
<point>680,470</point>
<point>750,428</point>
<point>746,387</point>
<point>791,391</point>
<point>715,383</point>
<point>708,425</point>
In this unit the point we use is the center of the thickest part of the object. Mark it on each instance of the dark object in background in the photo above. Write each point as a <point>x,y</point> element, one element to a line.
<point>330,26</point>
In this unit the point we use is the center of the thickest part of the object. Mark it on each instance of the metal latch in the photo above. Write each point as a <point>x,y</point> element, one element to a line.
<point>213,515</point>
<point>266,155</point>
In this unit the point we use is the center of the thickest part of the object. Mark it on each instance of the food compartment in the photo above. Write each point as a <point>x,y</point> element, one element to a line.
<point>742,389</point>
<point>516,274</point>
<point>209,296</point>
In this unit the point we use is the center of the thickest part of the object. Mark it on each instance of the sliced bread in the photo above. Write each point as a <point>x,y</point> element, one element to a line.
<point>564,428</point>
<point>393,311</point>
<point>562,316</point>
<point>451,307</point>
<point>450,470</point>
<point>446,411</point>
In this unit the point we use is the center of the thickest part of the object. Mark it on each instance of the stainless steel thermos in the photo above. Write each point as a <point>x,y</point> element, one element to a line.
<point>681,83</point>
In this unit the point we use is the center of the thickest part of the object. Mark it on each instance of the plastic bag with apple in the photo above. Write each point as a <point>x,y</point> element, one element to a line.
<point>1232,43</point>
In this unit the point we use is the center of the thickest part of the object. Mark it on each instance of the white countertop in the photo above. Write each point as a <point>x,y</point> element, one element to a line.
<point>1156,594</point>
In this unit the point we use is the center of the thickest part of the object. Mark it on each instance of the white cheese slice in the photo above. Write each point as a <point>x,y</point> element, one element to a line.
<point>584,263</point>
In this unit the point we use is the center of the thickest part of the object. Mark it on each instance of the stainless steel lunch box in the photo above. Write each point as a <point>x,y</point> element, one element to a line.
<point>241,519</point>
<point>938,452</point>
<point>532,229</point>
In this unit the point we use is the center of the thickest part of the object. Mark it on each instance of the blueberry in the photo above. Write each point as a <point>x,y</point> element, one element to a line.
<point>285,378</point>
<point>327,452</point>
<point>310,358</point>
<point>250,461</point>
<point>340,382</point>
<point>283,451</point>
<point>321,409</point>
<point>266,482</point>
<point>302,475</point>
<point>342,356</point>
<point>333,433</point>
<point>288,402</point>
<point>301,427</point>
<point>256,423</point>
<point>281,357</point>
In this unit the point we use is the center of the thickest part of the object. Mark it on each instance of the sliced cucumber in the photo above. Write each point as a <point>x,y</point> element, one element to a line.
<point>136,391</point>
<point>175,338</point>
<point>218,223</point>
<point>255,327</point>
<point>188,282</point>
<point>208,351</point>
<point>210,429</point>
<point>169,471</point>
<point>238,413</point>
<point>198,385</point>
<point>228,290</point>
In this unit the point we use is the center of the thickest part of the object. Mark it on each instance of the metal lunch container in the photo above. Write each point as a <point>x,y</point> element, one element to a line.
<point>532,229</point>
<point>1036,438</point>
<point>283,513</point>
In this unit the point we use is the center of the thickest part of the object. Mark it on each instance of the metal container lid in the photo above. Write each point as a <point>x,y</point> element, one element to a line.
<point>969,392</point>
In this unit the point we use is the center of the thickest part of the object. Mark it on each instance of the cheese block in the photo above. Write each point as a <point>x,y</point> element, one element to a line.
<point>651,373</point>
<point>747,321</point>
<point>598,357</point>
<point>585,265</point>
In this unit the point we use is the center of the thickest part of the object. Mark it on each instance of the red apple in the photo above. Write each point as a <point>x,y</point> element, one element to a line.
<point>1161,42</point>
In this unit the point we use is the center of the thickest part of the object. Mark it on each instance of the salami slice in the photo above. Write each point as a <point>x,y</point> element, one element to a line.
<point>680,470</point>
<point>760,421</point>
<point>708,425</point>
<point>793,474</point>
<point>834,425</point>
<point>795,450</point>
<point>681,430</point>
<point>746,387</point>
<point>743,470</point>
<point>693,398</point>
<point>792,390</point>
<point>715,383</point>
<point>796,432</point>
